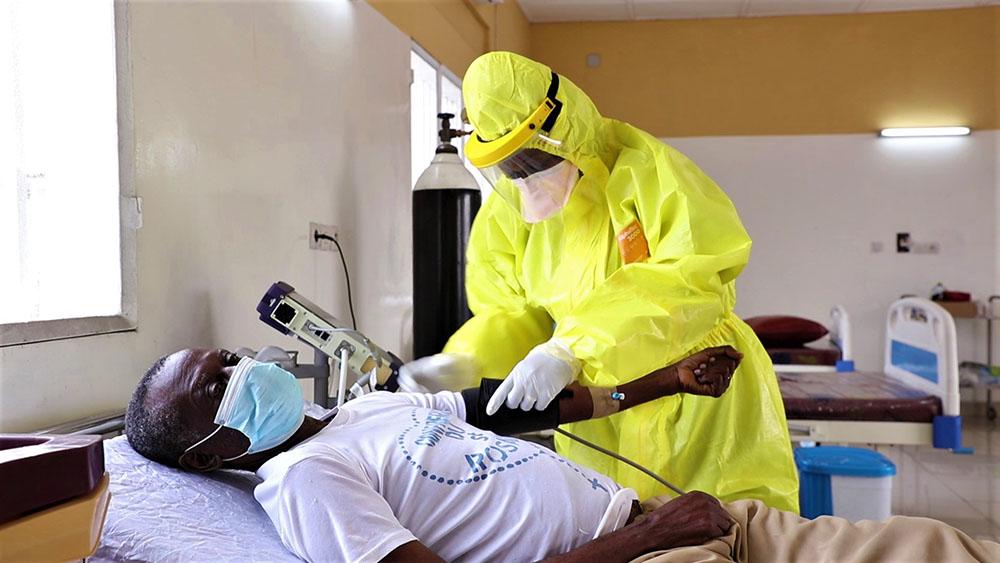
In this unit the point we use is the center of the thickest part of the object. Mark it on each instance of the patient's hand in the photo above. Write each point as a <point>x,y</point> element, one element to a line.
<point>707,372</point>
<point>692,519</point>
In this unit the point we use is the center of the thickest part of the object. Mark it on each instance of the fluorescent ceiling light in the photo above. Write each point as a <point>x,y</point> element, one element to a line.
<point>925,131</point>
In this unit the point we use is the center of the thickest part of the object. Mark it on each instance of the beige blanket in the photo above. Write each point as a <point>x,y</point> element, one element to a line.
<point>766,534</point>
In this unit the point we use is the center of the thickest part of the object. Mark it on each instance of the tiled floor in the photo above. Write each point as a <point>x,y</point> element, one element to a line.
<point>962,490</point>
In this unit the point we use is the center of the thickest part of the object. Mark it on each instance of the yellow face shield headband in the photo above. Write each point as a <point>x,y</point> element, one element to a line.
<point>484,154</point>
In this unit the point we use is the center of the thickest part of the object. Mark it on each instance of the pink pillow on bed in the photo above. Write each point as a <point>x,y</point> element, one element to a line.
<point>777,331</point>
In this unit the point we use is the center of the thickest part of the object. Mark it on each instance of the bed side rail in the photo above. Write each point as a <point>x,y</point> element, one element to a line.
<point>840,335</point>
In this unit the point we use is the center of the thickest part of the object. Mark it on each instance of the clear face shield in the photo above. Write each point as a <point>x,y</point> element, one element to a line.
<point>543,182</point>
<point>539,183</point>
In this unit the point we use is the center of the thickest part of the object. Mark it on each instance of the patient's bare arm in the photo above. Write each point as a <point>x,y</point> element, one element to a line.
<point>707,372</point>
<point>412,552</point>
<point>692,519</point>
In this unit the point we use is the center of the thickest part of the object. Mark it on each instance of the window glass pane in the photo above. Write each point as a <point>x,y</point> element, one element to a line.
<point>423,115</point>
<point>451,98</point>
<point>59,192</point>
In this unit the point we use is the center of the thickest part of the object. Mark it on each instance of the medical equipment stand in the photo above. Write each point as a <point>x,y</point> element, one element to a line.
<point>319,372</point>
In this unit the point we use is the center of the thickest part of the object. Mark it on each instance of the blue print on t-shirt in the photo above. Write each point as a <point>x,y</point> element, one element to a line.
<point>487,455</point>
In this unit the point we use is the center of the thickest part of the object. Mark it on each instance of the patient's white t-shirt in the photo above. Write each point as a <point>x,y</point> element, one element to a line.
<point>393,468</point>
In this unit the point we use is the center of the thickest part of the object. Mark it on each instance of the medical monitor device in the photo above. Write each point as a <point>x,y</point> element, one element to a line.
<point>290,313</point>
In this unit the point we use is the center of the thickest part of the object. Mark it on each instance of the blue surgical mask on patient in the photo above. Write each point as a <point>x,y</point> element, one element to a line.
<point>262,401</point>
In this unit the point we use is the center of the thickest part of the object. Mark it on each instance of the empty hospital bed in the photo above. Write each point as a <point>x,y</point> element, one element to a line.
<point>913,401</point>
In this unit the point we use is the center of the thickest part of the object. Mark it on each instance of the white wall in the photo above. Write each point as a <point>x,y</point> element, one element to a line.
<point>815,204</point>
<point>251,119</point>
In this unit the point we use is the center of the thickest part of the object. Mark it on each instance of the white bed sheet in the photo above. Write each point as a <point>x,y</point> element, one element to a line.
<point>163,514</point>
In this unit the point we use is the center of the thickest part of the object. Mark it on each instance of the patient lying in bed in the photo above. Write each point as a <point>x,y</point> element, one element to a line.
<point>403,477</point>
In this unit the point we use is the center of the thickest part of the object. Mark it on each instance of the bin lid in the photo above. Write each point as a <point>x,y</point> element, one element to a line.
<point>839,460</point>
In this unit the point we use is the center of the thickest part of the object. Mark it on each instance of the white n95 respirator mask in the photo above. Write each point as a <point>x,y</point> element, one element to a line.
<point>544,193</point>
<point>262,401</point>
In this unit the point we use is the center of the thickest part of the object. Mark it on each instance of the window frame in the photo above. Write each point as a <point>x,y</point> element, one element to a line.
<point>442,72</point>
<point>129,220</point>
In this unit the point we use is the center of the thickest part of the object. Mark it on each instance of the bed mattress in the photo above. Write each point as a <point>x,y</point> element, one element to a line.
<point>804,356</point>
<point>857,396</point>
<point>163,514</point>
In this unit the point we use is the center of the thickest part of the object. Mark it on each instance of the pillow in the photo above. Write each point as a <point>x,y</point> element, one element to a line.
<point>776,331</point>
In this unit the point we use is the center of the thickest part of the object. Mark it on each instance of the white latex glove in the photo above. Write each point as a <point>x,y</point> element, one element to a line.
<point>439,372</point>
<point>537,379</point>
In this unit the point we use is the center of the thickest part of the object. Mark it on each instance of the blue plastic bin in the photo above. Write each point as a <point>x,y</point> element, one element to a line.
<point>852,483</point>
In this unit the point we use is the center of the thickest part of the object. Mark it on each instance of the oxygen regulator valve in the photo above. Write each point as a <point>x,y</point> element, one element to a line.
<point>446,133</point>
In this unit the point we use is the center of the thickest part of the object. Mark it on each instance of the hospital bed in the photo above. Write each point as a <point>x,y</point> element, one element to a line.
<point>913,401</point>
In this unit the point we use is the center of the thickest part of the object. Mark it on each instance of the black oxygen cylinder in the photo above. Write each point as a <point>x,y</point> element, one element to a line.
<point>446,199</point>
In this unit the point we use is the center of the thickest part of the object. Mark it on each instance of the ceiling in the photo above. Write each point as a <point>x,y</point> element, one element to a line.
<point>627,10</point>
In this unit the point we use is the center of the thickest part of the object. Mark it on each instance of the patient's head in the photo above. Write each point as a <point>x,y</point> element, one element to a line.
<point>174,407</point>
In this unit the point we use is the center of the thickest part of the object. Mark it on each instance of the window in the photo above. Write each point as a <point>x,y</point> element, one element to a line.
<point>423,113</point>
<point>62,245</point>
<point>451,97</point>
<point>434,89</point>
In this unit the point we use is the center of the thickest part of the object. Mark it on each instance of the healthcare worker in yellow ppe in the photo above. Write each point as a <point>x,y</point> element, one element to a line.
<point>604,255</point>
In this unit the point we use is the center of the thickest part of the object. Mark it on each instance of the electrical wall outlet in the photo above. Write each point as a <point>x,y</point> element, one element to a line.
<point>317,232</point>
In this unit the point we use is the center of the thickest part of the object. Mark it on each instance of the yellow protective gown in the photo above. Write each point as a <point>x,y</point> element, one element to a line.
<point>624,318</point>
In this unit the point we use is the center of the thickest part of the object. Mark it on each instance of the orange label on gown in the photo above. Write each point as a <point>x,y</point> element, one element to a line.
<point>632,244</point>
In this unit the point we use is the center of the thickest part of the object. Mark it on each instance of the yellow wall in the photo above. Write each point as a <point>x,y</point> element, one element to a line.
<point>511,30</point>
<point>455,31</point>
<point>996,67</point>
<point>787,75</point>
